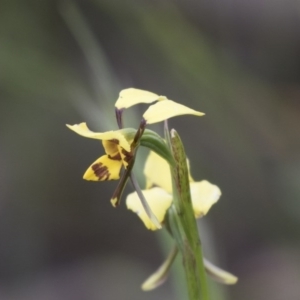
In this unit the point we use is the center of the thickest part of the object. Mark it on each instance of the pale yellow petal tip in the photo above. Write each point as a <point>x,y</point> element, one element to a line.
<point>89,175</point>
<point>231,279</point>
<point>166,109</point>
<point>76,125</point>
<point>114,202</point>
<point>225,277</point>
<point>151,226</point>
<point>153,282</point>
<point>78,128</point>
<point>132,96</point>
<point>218,274</point>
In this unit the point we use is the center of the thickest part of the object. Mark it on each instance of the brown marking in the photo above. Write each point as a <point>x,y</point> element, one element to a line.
<point>101,171</point>
<point>115,141</point>
<point>128,156</point>
<point>115,157</point>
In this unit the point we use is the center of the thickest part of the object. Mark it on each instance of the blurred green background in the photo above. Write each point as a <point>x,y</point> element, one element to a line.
<point>66,61</point>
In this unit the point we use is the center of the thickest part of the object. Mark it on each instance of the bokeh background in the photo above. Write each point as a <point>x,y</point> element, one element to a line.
<point>66,61</point>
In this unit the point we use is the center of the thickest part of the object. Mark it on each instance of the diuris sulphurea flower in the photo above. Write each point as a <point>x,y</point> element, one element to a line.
<point>172,198</point>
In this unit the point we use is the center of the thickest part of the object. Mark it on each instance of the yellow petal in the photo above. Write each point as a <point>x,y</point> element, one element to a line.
<point>204,195</point>
<point>157,172</point>
<point>131,96</point>
<point>164,110</point>
<point>104,168</point>
<point>116,135</point>
<point>159,201</point>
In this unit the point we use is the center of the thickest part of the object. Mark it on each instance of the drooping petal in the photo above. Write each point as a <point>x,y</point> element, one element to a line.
<point>204,195</point>
<point>131,96</point>
<point>164,110</point>
<point>104,168</point>
<point>116,135</point>
<point>159,201</point>
<point>161,274</point>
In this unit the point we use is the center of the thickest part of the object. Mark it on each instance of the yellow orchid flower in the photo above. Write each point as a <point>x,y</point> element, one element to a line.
<point>203,193</point>
<point>117,149</point>
<point>160,111</point>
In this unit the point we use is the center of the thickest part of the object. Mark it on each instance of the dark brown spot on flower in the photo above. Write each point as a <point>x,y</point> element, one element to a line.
<point>127,156</point>
<point>115,141</point>
<point>115,157</point>
<point>101,171</point>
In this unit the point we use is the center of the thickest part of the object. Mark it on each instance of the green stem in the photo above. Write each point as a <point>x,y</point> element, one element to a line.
<point>183,224</point>
<point>188,259</point>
